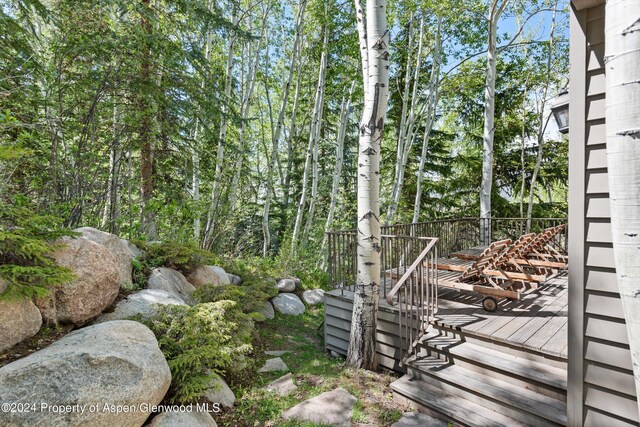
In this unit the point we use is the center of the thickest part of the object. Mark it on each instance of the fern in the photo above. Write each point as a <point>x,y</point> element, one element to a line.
<point>199,343</point>
<point>27,241</point>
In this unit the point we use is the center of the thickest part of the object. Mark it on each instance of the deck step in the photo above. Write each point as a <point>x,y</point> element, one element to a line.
<point>502,396</point>
<point>432,399</point>
<point>498,361</point>
<point>506,347</point>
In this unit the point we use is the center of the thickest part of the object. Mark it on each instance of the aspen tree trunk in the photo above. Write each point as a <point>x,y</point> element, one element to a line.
<point>409,135</point>
<point>337,171</point>
<point>496,8</point>
<point>195,155</point>
<point>432,103</point>
<point>316,143</point>
<point>362,42</point>
<point>522,152</point>
<point>362,342</point>
<point>292,131</point>
<point>622,44</point>
<point>542,126</point>
<point>276,136</point>
<point>215,189</point>
<point>403,126</point>
<point>246,105</point>
<point>148,223</point>
<point>112,205</point>
<point>311,151</point>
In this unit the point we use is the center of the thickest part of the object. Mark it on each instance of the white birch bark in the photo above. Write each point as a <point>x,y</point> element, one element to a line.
<point>542,125</point>
<point>316,143</point>
<point>496,7</point>
<point>522,152</point>
<point>362,42</point>
<point>362,342</point>
<point>402,129</point>
<point>409,134</point>
<point>622,62</point>
<point>195,155</point>
<point>278,132</point>
<point>432,103</point>
<point>245,108</point>
<point>111,207</point>
<point>345,108</point>
<point>292,132</point>
<point>215,188</point>
<point>311,157</point>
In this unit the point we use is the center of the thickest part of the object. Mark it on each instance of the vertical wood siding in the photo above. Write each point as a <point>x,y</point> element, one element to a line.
<point>601,388</point>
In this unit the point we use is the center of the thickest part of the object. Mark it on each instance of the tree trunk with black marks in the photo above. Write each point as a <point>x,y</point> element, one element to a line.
<point>362,342</point>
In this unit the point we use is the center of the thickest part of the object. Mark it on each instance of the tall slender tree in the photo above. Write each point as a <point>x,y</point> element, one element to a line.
<point>432,102</point>
<point>496,8</point>
<point>279,127</point>
<point>375,55</point>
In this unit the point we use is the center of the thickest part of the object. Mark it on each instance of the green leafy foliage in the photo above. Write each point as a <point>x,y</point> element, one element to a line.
<point>27,241</point>
<point>250,296</point>
<point>182,256</point>
<point>200,342</point>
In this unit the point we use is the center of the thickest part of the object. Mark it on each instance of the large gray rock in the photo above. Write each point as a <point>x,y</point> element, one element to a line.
<point>208,275</point>
<point>288,304</point>
<point>219,392</point>
<point>235,280</point>
<point>118,249</point>
<point>172,281</point>
<point>95,288</point>
<point>416,419</point>
<point>272,365</point>
<point>267,310</point>
<point>135,251</point>
<point>333,407</point>
<point>19,320</point>
<point>313,296</point>
<point>286,285</point>
<point>145,303</point>
<point>116,363</point>
<point>282,386</point>
<point>183,419</point>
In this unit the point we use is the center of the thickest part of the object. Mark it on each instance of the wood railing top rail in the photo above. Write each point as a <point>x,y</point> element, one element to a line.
<point>410,270</point>
<point>408,224</point>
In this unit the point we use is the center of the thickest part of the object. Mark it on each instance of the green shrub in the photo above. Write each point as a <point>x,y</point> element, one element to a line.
<point>182,256</point>
<point>200,342</point>
<point>250,296</point>
<point>26,244</point>
<point>139,273</point>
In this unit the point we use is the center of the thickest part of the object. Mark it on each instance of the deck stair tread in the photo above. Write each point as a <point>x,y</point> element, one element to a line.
<point>450,405</point>
<point>496,360</point>
<point>484,385</point>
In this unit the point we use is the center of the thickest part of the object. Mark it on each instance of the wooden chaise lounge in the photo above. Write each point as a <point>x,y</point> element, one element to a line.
<point>541,250</point>
<point>486,275</point>
<point>538,253</point>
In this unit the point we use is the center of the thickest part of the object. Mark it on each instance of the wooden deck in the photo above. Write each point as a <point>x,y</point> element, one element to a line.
<point>537,322</point>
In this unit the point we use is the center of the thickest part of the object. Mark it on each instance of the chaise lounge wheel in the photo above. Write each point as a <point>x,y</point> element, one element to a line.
<point>490,304</point>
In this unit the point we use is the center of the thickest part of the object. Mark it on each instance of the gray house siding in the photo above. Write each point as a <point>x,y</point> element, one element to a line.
<point>601,388</point>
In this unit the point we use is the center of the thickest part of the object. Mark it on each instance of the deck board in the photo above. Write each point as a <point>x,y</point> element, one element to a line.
<point>537,322</point>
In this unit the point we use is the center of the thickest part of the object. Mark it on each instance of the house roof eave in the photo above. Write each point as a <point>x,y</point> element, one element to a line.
<point>586,4</point>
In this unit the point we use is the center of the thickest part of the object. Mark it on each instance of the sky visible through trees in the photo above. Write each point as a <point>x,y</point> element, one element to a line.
<point>193,120</point>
